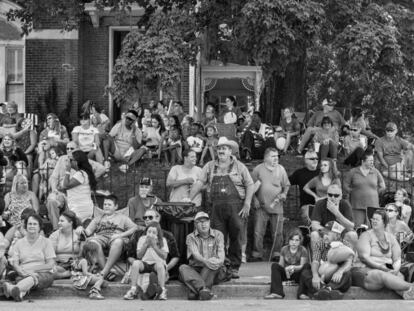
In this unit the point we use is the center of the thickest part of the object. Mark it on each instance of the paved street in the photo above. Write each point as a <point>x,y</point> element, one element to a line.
<point>216,305</point>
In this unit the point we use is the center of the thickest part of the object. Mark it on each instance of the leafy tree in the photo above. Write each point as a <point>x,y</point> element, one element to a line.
<point>155,57</point>
<point>359,52</point>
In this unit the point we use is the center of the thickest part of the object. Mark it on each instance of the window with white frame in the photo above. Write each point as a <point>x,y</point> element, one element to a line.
<point>14,74</point>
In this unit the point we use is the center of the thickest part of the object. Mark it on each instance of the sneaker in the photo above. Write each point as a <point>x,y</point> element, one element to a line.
<point>273,296</point>
<point>163,295</point>
<point>16,294</point>
<point>235,274</point>
<point>206,294</point>
<point>304,297</point>
<point>409,294</point>
<point>244,259</point>
<point>131,294</point>
<point>95,294</point>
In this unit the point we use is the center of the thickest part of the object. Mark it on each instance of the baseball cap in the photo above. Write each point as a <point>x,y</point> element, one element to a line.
<point>201,215</point>
<point>334,227</point>
<point>146,181</point>
<point>391,126</point>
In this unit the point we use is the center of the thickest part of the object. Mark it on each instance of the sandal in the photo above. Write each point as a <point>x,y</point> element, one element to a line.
<point>95,294</point>
<point>273,296</point>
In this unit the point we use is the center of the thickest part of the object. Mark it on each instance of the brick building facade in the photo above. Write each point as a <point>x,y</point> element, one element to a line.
<point>64,68</point>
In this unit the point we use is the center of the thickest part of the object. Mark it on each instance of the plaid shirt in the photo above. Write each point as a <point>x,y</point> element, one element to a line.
<point>210,247</point>
<point>321,249</point>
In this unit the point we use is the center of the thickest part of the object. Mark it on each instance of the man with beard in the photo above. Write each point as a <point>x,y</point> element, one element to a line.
<point>230,190</point>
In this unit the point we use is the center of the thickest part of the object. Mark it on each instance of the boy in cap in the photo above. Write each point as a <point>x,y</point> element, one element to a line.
<point>205,252</point>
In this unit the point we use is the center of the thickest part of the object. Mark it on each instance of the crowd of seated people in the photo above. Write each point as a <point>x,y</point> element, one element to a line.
<point>206,170</point>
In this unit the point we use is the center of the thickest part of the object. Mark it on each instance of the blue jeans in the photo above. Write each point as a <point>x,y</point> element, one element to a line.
<point>276,228</point>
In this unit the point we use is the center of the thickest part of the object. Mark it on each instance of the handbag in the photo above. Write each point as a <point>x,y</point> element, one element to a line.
<point>176,210</point>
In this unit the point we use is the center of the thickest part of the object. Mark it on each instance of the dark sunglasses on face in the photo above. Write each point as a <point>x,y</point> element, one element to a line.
<point>70,148</point>
<point>354,130</point>
<point>334,195</point>
<point>312,159</point>
<point>148,217</point>
<point>130,119</point>
<point>390,210</point>
<point>389,130</point>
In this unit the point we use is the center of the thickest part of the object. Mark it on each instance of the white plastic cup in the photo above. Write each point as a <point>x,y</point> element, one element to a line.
<point>316,146</point>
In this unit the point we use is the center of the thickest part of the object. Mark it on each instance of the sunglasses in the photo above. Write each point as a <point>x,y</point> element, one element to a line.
<point>354,130</point>
<point>312,159</point>
<point>389,130</point>
<point>334,195</point>
<point>390,210</point>
<point>148,217</point>
<point>70,148</point>
<point>130,119</point>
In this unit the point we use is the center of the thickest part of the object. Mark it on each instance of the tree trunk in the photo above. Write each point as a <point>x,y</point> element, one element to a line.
<point>287,91</point>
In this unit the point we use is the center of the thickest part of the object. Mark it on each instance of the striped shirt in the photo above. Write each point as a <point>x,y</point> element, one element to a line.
<point>210,247</point>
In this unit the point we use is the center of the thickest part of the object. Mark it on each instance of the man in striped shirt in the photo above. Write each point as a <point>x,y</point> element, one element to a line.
<point>205,253</point>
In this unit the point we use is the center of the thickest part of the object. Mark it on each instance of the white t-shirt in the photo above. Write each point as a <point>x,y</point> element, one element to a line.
<point>79,197</point>
<point>150,255</point>
<point>123,137</point>
<point>178,172</point>
<point>86,137</point>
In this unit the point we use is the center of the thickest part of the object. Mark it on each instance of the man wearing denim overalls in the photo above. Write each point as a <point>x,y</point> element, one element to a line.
<point>230,189</point>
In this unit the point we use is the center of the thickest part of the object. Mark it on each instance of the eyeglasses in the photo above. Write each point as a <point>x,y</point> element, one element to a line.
<point>130,119</point>
<point>390,210</point>
<point>334,195</point>
<point>312,159</point>
<point>148,217</point>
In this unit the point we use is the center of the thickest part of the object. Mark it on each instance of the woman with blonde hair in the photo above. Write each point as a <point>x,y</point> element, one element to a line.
<point>16,201</point>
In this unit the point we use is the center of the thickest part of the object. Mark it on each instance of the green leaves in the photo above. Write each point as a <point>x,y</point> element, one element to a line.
<point>154,58</point>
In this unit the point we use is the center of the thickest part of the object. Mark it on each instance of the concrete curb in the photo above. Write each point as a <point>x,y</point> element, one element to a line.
<point>230,290</point>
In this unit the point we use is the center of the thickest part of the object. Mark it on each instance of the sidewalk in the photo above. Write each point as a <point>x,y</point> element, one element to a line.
<point>253,284</point>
